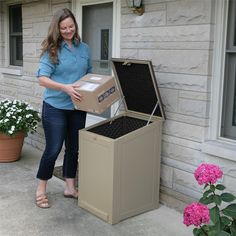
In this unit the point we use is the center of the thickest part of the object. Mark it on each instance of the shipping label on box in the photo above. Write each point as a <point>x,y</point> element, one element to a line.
<point>98,92</point>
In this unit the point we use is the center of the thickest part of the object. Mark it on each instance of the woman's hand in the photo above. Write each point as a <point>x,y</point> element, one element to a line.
<point>70,89</point>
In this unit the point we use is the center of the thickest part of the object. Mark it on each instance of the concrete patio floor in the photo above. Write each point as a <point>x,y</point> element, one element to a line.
<point>19,216</point>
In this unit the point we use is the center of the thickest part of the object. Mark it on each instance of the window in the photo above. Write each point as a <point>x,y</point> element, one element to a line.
<point>98,35</point>
<point>221,139</point>
<point>104,48</point>
<point>228,124</point>
<point>15,35</point>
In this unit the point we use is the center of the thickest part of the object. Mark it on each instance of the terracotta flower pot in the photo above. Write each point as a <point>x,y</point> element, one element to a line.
<point>11,146</point>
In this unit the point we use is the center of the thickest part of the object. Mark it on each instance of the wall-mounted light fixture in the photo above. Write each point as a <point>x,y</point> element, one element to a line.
<point>136,6</point>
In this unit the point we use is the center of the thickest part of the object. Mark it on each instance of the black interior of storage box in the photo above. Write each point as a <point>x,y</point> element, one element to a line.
<point>118,127</point>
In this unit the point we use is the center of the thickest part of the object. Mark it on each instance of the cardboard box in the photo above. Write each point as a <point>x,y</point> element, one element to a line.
<point>99,93</point>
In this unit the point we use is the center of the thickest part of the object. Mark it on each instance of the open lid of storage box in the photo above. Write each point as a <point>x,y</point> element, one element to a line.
<point>138,86</point>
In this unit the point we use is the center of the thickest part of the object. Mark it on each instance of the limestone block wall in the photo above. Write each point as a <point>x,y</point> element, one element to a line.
<point>21,83</point>
<point>178,36</point>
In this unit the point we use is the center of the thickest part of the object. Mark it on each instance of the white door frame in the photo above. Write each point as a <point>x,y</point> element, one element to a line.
<point>77,10</point>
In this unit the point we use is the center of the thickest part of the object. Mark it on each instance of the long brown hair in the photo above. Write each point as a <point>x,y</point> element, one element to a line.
<point>53,41</point>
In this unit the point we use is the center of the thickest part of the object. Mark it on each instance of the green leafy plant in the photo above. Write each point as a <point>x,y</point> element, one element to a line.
<point>17,116</point>
<point>219,218</point>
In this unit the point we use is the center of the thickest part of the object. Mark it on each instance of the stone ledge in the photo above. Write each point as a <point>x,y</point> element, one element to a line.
<point>11,70</point>
<point>220,149</point>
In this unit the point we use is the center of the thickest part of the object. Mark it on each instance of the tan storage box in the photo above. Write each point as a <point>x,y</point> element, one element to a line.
<point>99,93</point>
<point>119,163</point>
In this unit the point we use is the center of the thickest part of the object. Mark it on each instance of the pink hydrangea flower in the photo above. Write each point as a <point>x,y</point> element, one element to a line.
<point>207,173</point>
<point>196,214</point>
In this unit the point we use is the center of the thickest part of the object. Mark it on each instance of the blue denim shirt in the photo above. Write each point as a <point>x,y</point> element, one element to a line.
<point>73,64</point>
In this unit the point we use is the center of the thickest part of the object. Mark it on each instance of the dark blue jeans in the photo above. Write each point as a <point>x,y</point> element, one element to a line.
<point>60,126</point>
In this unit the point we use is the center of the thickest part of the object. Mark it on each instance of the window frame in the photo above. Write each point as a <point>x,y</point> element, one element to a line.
<point>214,144</point>
<point>221,21</point>
<point>12,36</point>
<point>228,130</point>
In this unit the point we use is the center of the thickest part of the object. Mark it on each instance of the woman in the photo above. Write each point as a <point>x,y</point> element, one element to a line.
<point>64,60</point>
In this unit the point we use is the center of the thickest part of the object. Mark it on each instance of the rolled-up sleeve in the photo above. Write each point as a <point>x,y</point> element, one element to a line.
<point>46,67</point>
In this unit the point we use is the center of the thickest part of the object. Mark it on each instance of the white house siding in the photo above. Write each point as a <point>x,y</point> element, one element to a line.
<point>178,36</point>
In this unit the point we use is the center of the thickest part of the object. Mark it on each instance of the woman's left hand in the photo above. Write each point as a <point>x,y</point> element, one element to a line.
<point>71,89</point>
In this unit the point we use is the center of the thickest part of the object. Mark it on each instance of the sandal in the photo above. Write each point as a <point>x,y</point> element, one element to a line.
<point>42,201</point>
<point>75,195</point>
